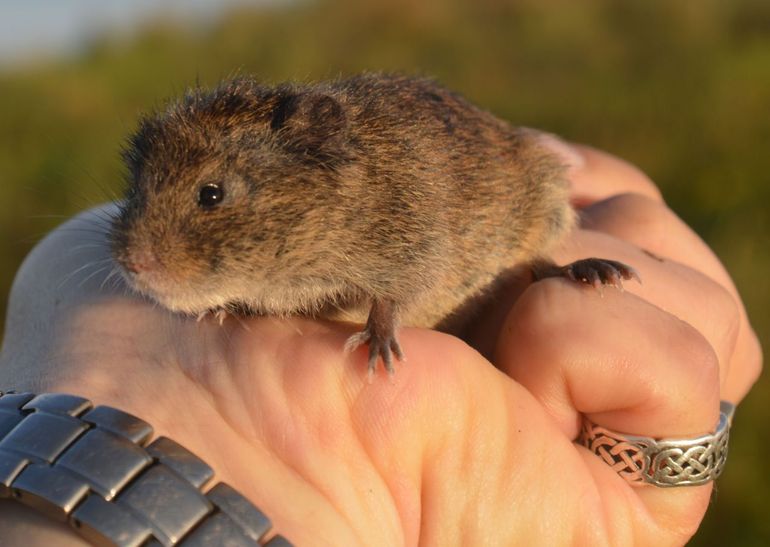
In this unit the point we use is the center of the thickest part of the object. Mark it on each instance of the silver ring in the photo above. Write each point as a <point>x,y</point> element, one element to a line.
<point>662,462</point>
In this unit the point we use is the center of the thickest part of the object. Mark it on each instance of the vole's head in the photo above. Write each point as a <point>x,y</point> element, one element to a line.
<point>226,190</point>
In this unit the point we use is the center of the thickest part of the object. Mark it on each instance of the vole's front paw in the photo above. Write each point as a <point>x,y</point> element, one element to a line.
<point>600,271</point>
<point>219,314</point>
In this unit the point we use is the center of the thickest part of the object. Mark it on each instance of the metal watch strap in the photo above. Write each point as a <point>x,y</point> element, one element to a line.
<point>92,467</point>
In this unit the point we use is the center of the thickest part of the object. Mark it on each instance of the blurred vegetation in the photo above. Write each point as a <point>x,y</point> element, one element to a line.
<point>682,89</point>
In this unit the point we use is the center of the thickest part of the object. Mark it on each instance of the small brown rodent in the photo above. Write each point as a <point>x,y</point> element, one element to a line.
<point>379,196</point>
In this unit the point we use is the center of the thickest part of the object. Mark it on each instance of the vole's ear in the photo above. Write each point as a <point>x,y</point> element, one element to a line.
<point>312,124</point>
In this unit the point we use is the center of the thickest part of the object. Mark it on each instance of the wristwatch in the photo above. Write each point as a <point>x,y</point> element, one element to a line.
<point>93,468</point>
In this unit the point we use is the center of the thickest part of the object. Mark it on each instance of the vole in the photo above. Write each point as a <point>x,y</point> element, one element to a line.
<point>379,198</point>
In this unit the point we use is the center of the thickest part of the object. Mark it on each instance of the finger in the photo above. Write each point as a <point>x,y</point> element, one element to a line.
<point>596,175</point>
<point>603,175</point>
<point>652,226</point>
<point>617,355</point>
<point>623,362</point>
<point>679,290</point>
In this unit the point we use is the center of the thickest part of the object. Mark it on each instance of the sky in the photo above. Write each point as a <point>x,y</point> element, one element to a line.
<point>42,28</point>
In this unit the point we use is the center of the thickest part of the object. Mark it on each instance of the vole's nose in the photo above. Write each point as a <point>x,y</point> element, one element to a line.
<point>139,261</point>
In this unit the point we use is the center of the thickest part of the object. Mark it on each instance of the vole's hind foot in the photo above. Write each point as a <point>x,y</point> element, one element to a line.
<point>380,334</point>
<point>379,346</point>
<point>599,272</point>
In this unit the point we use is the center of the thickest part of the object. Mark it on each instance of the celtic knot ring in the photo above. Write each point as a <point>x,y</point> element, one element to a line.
<point>662,462</point>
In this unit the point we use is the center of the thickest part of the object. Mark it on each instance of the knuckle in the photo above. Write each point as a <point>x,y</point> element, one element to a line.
<point>534,309</point>
<point>727,311</point>
<point>641,181</point>
<point>698,361</point>
<point>753,359</point>
<point>716,312</point>
<point>534,322</point>
<point>630,214</point>
<point>619,172</point>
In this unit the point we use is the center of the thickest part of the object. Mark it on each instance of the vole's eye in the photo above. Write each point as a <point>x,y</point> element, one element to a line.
<point>210,196</point>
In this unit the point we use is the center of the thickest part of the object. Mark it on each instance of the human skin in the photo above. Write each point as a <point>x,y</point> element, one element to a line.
<point>454,450</point>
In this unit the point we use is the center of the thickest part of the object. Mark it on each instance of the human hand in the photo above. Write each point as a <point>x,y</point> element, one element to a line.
<point>453,451</point>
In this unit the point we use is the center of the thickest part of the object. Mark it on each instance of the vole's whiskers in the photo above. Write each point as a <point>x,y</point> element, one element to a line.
<point>113,276</point>
<point>72,274</point>
<point>45,217</point>
<point>99,265</point>
<point>92,274</point>
<point>104,215</point>
<point>105,264</point>
<point>92,245</point>
<point>92,230</point>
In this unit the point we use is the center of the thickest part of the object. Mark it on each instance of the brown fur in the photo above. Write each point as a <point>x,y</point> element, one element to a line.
<point>374,188</point>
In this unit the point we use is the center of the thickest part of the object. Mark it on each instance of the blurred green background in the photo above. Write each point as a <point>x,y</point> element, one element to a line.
<point>681,88</point>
